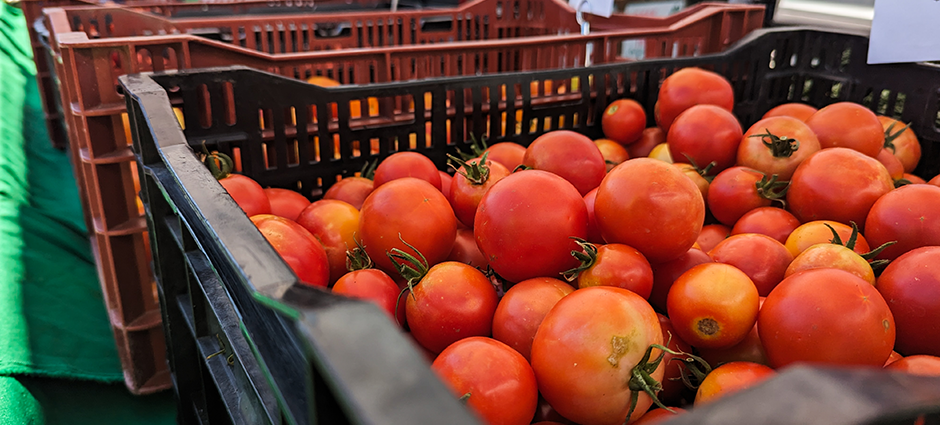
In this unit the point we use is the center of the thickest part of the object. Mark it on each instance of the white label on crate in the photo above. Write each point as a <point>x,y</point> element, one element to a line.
<point>654,8</point>
<point>905,31</point>
<point>603,8</point>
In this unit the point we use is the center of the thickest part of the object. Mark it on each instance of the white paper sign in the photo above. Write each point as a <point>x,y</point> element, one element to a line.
<point>905,31</point>
<point>603,8</point>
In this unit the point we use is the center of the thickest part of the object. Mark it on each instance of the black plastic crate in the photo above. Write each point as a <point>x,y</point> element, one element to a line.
<point>292,354</point>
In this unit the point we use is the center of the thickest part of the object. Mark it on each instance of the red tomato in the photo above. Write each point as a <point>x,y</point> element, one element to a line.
<point>373,285</point>
<point>499,384</point>
<point>612,152</point>
<point>705,133</point>
<point>624,121</point>
<point>672,383</point>
<point>713,305</point>
<point>286,203</point>
<point>659,415</point>
<point>911,286</point>
<point>466,250</point>
<point>775,222</point>
<point>902,142</point>
<point>796,110</point>
<point>446,180</point>
<point>826,316</point>
<point>593,232</point>
<point>352,190</point>
<point>893,358</point>
<point>571,155</point>
<point>585,363</point>
<point>334,223</point>
<point>407,209</point>
<point>891,163</point>
<point>837,184</point>
<point>616,265</point>
<point>665,274</point>
<point>738,190</point>
<point>522,308</point>
<point>712,234</point>
<point>918,364</point>
<point>761,257</point>
<point>688,87</point>
<point>470,183</point>
<point>451,302</point>
<point>649,139</point>
<point>848,125</point>
<point>525,222</point>
<point>909,215</point>
<point>507,153</point>
<point>247,193</point>
<point>730,378</point>
<point>832,256</point>
<point>407,164</point>
<point>652,206</point>
<point>914,179</point>
<point>299,249</point>
<point>777,145</point>
<point>816,232</point>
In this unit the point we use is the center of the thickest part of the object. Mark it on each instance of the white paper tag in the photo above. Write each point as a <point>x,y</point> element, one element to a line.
<point>905,31</point>
<point>654,8</point>
<point>603,8</point>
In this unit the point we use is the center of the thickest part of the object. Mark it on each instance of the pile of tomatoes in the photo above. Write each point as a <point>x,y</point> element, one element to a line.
<point>590,281</point>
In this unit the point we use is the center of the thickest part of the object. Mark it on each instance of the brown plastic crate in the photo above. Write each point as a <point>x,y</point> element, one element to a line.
<point>88,70</point>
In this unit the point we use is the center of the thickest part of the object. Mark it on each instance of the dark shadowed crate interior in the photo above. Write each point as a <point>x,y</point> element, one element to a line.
<point>295,353</point>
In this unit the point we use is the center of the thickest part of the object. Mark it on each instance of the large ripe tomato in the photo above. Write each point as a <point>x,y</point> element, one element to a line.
<point>247,193</point>
<point>472,180</point>
<point>585,363</point>
<point>352,190</point>
<point>911,286</point>
<point>615,265</point>
<point>777,145</point>
<point>713,305</point>
<point>730,378</point>
<point>334,223</point>
<point>649,139</point>
<point>705,134</point>
<point>522,308</point>
<point>451,301</point>
<point>407,164</point>
<point>901,141</point>
<point>826,316</point>
<point>800,111</point>
<point>407,209</point>
<point>299,249</point>
<point>818,231</point>
<point>848,125</point>
<point>666,273</point>
<point>624,121</point>
<point>525,222</point>
<point>373,285</point>
<point>286,203</point>
<point>761,257</point>
<point>908,215</point>
<point>834,256</point>
<point>837,184</point>
<point>738,190</point>
<point>688,87</point>
<point>498,383</point>
<point>651,206</point>
<point>573,156</point>
<point>775,222</point>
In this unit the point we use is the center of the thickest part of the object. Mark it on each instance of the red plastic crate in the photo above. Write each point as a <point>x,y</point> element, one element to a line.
<point>90,55</point>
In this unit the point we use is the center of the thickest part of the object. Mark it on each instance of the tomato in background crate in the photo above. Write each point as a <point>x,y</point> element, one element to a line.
<point>407,210</point>
<point>911,286</point>
<point>730,378</point>
<point>800,111</point>
<point>522,308</point>
<point>525,222</point>
<point>507,153</point>
<point>828,317</point>
<point>908,216</point>
<point>471,181</point>
<point>586,363</point>
<point>688,87</point>
<point>612,264</point>
<point>573,156</point>
<point>713,305</point>
<point>901,141</point>
<point>651,206</point>
<point>299,249</point>
<point>848,125</point>
<point>369,284</point>
<point>837,184</point>
<point>247,193</point>
<point>406,164</point>
<point>775,222</point>
<point>355,189</point>
<point>762,258</point>
<point>624,121</point>
<point>777,145</point>
<point>334,223</point>
<point>705,134</point>
<point>286,203</point>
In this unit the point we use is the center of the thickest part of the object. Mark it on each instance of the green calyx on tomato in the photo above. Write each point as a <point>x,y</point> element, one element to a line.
<point>770,188</point>
<point>368,170</point>
<point>219,164</point>
<point>477,147</point>
<point>704,172</point>
<point>587,257</point>
<point>357,258</point>
<point>641,379</point>
<point>409,267</point>
<point>476,173</point>
<point>889,136</point>
<point>780,147</point>
<point>850,244</point>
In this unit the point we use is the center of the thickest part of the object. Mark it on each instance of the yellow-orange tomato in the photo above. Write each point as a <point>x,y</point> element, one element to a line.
<point>815,232</point>
<point>334,223</point>
<point>612,152</point>
<point>904,145</point>
<point>661,152</point>
<point>730,378</point>
<point>690,171</point>
<point>832,256</point>
<point>713,305</point>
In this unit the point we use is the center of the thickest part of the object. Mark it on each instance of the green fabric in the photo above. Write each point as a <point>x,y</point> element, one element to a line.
<point>53,322</point>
